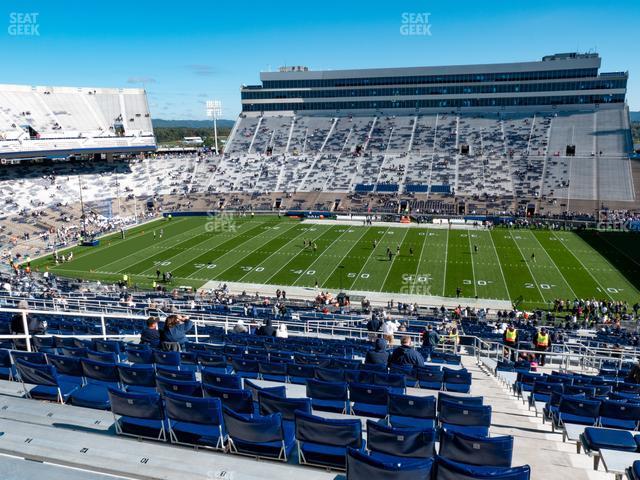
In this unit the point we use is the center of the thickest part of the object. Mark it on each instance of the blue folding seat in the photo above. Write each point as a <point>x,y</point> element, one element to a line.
<point>48,386</point>
<point>459,399</point>
<point>619,414</point>
<point>542,391</point>
<point>587,390</point>
<point>409,373</point>
<point>411,411</point>
<point>7,369</point>
<point>477,450</point>
<point>194,420</point>
<point>258,436</point>
<point>388,444</point>
<point>31,357</point>
<point>138,414</point>
<point>394,381</point>
<point>594,439</point>
<point>324,442</point>
<point>81,343</point>
<point>140,356</point>
<point>300,373</point>
<point>429,378</point>
<point>469,419</point>
<point>368,400</point>
<point>100,376</point>
<point>63,342</point>
<point>456,380</point>
<point>275,372</point>
<point>280,357</point>
<point>220,379</point>
<point>189,361</point>
<point>107,346</point>
<point>214,362</point>
<point>280,391</point>
<point>328,396</point>
<point>628,388</point>
<point>270,404</point>
<point>576,410</point>
<point>234,350</point>
<point>344,363</point>
<point>245,368</point>
<point>446,469</point>
<point>73,352</point>
<point>524,382</point>
<point>361,466</point>
<point>633,472</point>
<point>240,401</point>
<point>161,357</point>
<point>137,378</point>
<point>174,374</point>
<point>43,344</point>
<point>181,387</point>
<point>624,396</point>
<point>69,369</point>
<point>380,368</point>
<point>329,374</point>
<point>104,357</point>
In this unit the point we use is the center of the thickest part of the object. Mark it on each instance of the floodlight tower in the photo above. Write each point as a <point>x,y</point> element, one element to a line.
<point>214,109</point>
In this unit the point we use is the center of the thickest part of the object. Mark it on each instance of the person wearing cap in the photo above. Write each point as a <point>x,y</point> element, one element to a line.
<point>542,343</point>
<point>510,339</point>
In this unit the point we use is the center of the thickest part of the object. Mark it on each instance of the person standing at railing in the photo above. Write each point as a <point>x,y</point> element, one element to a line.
<point>510,339</point>
<point>542,342</point>
<point>150,335</point>
<point>34,325</point>
<point>174,334</point>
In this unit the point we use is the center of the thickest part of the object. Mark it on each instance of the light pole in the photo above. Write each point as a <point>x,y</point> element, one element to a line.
<point>214,109</point>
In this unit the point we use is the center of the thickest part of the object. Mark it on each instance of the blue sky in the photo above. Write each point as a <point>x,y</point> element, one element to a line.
<point>186,53</point>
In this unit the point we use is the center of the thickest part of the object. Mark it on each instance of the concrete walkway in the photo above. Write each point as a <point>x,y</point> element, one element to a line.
<point>534,443</point>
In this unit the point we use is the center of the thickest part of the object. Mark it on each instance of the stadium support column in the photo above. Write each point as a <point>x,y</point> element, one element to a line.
<point>214,110</point>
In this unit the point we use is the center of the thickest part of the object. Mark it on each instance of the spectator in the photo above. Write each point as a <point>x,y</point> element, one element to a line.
<point>240,327</point>
<point>282,331</point>
<point>150,335</point>
<point>378,355</point>
<point>373,326</point>
<point>174,334</point>
<point>430,338</point>
<point>267,330</point>
<point>35,325</point>
<point>389,327</point>
<point>405,354</point>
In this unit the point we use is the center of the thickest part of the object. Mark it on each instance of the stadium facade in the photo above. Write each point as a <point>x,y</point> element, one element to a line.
<point>62,122</point>
<point>560,80</point>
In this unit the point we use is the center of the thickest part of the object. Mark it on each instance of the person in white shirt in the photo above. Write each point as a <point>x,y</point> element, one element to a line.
<point>389,327</point>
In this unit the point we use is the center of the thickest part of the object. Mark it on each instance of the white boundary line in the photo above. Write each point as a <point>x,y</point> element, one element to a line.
<point>554,263</point>
<point>393,261</point>
<point>528,267</point>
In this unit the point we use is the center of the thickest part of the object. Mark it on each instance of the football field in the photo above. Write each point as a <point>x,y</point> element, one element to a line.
<point>534,266</point>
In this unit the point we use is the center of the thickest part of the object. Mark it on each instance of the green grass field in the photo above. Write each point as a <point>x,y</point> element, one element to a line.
<point>269,250</point>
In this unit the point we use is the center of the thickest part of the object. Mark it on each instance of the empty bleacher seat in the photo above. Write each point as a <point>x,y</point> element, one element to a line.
<point>411,411</point>
<point>475,450</point>
<point>259,436</point>
<point>470,419</point>
<point>446,469</point>
<point>328,396</point>
<point>361,466</point>
<point>389,443</point>
<point>138,414</point>
<point>48,385</point>
<point>194,421</point>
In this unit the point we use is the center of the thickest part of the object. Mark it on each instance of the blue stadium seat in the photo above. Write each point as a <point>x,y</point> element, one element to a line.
<point>69,368</point>
<point>258,436</point>
<point>194,420</point>
<point>217,379</point>
<point>449,470</point>
<point>270,404</point>
<point>240,401</point>
<point>213,362</point>
<point>104,357</point>
<point>73,352</point>
<point>395,381</point>
<point>619,414</point>
<point>324,442</point>
<point>361,466</point>
<point>279,391</point>
<point>577,410</point>
<point>411,411</point>
<point>100,376</point>
<point>429,378</point>
<point>48,385</point>
<point>140,356</point>
<point>469,419</point>
<point>7,369</point>
<point>245,368</point>
<point>138,378</point>
<point>633,472</point>
<point>166,358</point>
<point>171,372</point>
<point>138,414</point>
<point>389,444</point>
<point>300,373</point>
<point>456,380</point>
<point>594,439</point>
<point>275,372</point>
<point>31,357</point>
<point>368,400</point>
<point>459,399</point>
<point>328,396</point>
<point>181,387</point>
<point>475,450</point>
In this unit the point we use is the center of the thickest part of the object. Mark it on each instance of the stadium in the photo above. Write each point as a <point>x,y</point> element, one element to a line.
<point>420,272</point>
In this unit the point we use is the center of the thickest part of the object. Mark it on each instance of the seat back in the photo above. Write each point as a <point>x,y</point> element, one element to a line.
<point>361,466</point>
<point>400,442</point>
<point>185,408</point>
<point>37,373</point>
<point>207,359</point>
<point>287,407</point>
<point>327,390</point>
<point>73,352</point>
<point>475,450</point>
<point>620,410</point>
<point>161,357</point>
<point>460,377</point>
<point>30,357</point>
<point>579,406</point>
<point>140,356</point>
<point>171,372</point>
<point>369,394</point>
<point>412,406</point>
<point>394,380</point>
<point>450,470</point>
<point>101,371</point>
<point>107,346</point>
<point>138,375</point>
<point>329,374</point>
<point>324,431</point>
<point>66,365</point>
<point>212,377</point>
<point>241,365</point>
<point>137,405</point>
<point>240,401</point>
<point>280,391</point>
<point>460,400</point>
<point>181,387</point>
<point>465,415</point>
<point>255,430</point>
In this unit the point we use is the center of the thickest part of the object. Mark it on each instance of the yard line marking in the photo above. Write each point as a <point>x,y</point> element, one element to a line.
<point>302,232</point>
<point>393,261</point>
<point>528,267</point>
<point>473,270</point>
<point>446,255</point>
<point>367,261</point>
<point>554,264</point>
<point>604,290</point>
<point>365,230</point>
<point>301,251</point>
<point>236,249</point>
<point>495,250</point>
<point>415,280</point>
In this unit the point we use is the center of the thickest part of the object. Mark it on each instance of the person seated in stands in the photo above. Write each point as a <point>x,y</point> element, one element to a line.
<point>35,325</point>
<point>150,335</point>
<point>174,334</point>
<point>405,354</point>
<point>373,326</point>
<point>267,330</point>
<point>378,355</point>
<point>240,327</point>
<point>282,331</point>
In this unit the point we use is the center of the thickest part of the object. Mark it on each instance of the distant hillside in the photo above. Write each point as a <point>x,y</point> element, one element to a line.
<point>160,123</point>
